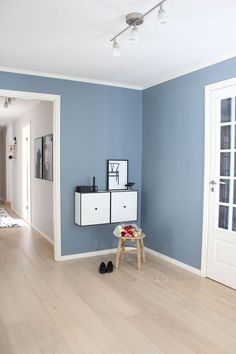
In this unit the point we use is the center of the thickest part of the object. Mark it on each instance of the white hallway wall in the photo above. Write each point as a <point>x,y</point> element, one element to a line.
<point>41,121</point>
<point>9,163</point>
<point>3,164</point>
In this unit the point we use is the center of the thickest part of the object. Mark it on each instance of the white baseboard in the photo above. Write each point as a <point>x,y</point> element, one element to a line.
<point>87,254</point>
<point>148,250</point>
<point>16,212</point>
<point>42,233</point>
<point>173,261</point>
<point>113,250</point>
<point>34,227</point>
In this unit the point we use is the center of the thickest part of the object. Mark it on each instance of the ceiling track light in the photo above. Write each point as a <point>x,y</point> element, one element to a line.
<point>135,19</point>
<point>7,101</point>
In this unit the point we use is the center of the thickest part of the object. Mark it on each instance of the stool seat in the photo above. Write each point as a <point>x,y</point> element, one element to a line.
<point>138,248</point>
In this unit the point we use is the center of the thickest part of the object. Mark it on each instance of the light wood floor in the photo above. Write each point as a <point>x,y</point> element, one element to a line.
<point>48,307</point>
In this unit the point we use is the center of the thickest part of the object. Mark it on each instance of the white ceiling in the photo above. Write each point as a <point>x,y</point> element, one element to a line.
<point>72,38</point>
<point>17,109</point>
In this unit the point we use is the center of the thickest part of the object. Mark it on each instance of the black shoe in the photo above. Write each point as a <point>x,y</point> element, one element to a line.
<point>109,267</point>
<point>102,268</point>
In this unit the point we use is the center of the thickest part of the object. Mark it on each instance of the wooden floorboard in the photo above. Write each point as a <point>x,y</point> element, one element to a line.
<point>51,307</point>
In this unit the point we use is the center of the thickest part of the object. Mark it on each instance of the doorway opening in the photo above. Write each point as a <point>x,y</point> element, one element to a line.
<point>24,154</point>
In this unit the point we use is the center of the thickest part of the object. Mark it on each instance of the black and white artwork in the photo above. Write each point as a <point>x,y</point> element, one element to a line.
<point>38,157</point>
<point>117,174</point>
<point>48,157</point>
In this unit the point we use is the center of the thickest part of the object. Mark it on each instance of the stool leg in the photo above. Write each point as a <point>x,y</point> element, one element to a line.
<point>118,252</point>
<point>143,252</point>
<point>139,254</point>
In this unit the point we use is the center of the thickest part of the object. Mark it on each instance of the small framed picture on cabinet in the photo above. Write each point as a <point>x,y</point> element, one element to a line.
<point>117,174</point>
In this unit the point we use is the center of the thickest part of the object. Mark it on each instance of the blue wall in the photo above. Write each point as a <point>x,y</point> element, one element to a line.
<point>173,162</point>
<point>97,123</point>
<point>101,122</point>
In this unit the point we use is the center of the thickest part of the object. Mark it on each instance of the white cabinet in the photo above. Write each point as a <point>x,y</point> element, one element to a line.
<point>105,207</point>
<point>124,206</point>
<point>92,208</point>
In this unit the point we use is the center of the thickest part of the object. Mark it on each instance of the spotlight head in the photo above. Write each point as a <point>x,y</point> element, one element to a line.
<point>116,49</point>
<point>134,35</point>
<point>6,102</point>
<point>161,16</point>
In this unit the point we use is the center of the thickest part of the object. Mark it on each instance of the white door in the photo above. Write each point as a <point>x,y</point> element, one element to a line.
<point>221,249</point>
<point>26,185</point>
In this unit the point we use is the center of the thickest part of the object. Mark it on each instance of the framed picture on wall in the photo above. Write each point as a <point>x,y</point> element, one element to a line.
<point>117,174</point>
<point>48,157</point>
<point>38,157</point>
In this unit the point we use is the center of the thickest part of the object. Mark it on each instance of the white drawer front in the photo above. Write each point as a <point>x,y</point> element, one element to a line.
<point>95,208</point>
<point>124,206</point>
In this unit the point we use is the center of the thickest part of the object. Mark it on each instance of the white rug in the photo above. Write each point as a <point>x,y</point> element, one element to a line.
<point>6,221</point>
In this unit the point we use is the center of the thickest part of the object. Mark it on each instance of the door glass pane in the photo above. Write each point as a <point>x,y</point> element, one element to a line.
<point>234,200</point>
<point>235,164</point>
<point>234,220</point>
<point>226,209</point>
<point>235,136</point>
<point>225,137</point>
<point>223,216</point>
<point>224,191</point>
<point>225,164</point>
<point>226,110</point>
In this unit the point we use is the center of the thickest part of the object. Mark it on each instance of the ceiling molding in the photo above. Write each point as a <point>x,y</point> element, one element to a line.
<point>189,70</point>
<point>165,78</point>
<point>68,77</point>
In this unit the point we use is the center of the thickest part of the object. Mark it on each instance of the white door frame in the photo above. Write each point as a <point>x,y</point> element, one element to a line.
<point>28,123</point>
<point>205,226</point>
<point>56,99</point>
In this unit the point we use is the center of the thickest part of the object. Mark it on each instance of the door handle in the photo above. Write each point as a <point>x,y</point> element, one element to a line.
<point>212,182</point>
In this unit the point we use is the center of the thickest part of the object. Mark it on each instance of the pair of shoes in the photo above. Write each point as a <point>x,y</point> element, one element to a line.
<point>106,268</point>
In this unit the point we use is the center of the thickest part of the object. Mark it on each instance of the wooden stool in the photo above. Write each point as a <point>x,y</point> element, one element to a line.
<point>138,246</point>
